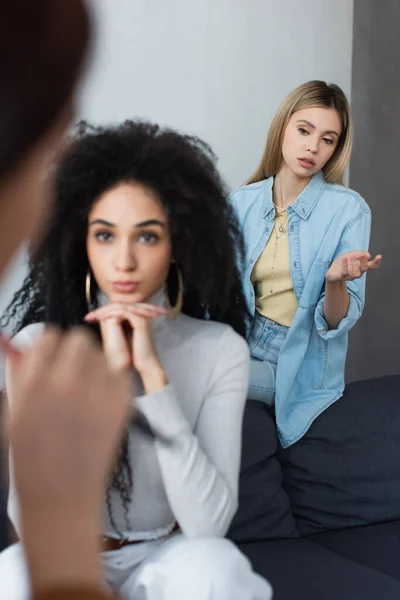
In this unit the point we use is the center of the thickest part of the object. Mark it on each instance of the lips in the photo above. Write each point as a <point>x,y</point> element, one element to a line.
<point>125,287</point>
<point>307,163</point>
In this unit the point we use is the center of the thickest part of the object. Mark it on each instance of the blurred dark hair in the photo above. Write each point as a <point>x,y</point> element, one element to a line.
<point>42,48</point>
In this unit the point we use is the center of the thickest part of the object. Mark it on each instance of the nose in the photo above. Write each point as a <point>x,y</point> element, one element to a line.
<point>313,145</point>
<point>125,259</point>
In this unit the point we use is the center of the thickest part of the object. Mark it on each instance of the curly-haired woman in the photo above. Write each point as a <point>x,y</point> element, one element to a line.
<point>142,247</point>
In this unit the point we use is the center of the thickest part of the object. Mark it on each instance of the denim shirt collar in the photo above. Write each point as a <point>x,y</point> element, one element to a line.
<point>305,202</point>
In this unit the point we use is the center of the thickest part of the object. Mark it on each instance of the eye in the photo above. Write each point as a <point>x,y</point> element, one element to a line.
<point>148,237</point>
<point>104,236</point>
<point>303,131</point>
<point>328,141</point>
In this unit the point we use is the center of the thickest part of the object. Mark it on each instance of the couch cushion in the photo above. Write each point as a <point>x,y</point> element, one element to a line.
<point>302,570</point>
<point>346,470</point>
<point>264,511</point>
<point>375,546</point>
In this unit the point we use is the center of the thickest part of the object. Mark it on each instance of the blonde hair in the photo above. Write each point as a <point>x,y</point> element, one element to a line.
<point>310,94</point>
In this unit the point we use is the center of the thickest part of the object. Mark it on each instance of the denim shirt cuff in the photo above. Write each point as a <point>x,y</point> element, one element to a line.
<point>353,314</point>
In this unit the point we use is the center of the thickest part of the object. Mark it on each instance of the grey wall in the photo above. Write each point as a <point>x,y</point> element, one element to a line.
<point>215,68</point>
<point>375,173</point>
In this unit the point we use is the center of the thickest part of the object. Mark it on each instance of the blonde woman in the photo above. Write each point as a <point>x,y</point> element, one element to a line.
<point>307,242</point>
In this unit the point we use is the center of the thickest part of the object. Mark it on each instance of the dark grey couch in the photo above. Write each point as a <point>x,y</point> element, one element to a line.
<point>321,520</point>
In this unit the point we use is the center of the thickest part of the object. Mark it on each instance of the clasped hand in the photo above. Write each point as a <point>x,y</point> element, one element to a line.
<point>128,340</point>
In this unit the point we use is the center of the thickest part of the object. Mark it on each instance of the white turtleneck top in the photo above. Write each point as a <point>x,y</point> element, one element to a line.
<point>190,474</point>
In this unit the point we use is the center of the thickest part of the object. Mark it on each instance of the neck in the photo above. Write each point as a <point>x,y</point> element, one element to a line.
<point>287,186</point>
<point>157,299</point>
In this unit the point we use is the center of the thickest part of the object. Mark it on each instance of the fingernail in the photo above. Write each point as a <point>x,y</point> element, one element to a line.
<point>93,313</point>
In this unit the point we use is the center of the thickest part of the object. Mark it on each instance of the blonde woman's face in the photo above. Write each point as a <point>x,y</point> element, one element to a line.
<point>310,139</point>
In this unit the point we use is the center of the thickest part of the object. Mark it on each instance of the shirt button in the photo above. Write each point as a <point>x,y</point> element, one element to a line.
<point>251,261</point>
<point>266,229</point>
<point>295,264</point>
<point>303,210</point>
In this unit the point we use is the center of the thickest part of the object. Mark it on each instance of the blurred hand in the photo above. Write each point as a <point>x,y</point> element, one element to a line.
<point>62,418</point>
<point>69,408</point>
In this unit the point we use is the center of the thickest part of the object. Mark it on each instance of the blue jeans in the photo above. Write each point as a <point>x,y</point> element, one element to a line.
<point>265,341</point>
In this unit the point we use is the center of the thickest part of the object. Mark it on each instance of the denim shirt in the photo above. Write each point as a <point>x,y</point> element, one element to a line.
<point>324,221</point>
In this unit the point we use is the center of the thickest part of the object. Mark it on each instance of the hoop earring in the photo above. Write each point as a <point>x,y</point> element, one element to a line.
<point>88,285</point>
<point>175,311</point>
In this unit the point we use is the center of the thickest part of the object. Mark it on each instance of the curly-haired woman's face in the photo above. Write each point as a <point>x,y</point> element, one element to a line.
<point>129,243</point>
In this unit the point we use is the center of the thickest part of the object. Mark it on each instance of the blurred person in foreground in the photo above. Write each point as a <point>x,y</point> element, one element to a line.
<point>63,430</point>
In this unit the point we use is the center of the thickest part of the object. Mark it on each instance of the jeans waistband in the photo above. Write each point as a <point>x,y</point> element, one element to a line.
<point>266,322</point>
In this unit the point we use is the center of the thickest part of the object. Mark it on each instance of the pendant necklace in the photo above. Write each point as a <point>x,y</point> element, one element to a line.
<point>279,230</point>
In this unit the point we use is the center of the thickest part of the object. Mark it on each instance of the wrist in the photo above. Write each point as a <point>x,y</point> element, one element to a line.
<point>62,546</point>
<point>335,284</point>
<point>153,377</point>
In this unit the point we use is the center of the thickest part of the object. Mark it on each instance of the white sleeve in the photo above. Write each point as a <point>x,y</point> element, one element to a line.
<point>200,469</point>
<point>24,339</point>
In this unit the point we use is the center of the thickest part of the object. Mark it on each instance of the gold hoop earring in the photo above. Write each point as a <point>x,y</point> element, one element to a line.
<point>175,311</point>
<point>88,286</point>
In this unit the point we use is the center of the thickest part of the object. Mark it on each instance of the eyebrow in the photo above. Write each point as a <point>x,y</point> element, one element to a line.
<point>313,127</point>
<point>142,224</point>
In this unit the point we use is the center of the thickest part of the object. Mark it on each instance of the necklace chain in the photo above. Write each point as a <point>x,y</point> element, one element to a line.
<point>280,228</point>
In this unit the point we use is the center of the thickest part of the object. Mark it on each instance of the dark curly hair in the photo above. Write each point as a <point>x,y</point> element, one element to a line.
<point>206,240</point>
